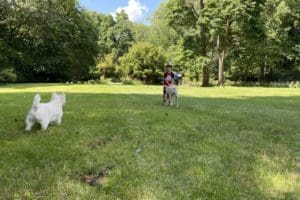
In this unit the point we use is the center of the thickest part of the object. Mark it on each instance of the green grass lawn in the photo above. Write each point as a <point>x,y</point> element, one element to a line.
<point>222,143</point>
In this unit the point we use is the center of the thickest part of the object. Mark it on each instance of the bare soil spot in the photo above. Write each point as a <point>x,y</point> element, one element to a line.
<point>97,143</point>
<point>96,178</point>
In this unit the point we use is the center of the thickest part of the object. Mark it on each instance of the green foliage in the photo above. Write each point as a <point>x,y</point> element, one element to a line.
<point>106,67</point>
<point>47,40</point>
<point>7,76</point>
<point>160,33</point>
<point>128,82</point>
<point>180,16</point>
<point>57,40</point>
<point>105,41</point>
<point>122,35</point>
<point>141,32</point>
<point>260,39</point>
<point>144,61</point>
<point>115,39</point>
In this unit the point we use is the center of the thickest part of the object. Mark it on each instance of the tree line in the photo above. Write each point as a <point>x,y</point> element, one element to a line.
<point>206,40</point>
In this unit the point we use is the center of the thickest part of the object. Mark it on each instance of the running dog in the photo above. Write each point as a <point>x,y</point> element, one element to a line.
<point>45,113</point>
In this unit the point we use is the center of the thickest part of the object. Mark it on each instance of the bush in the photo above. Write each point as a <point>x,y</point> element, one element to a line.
<point>143,62</point>
<point>127,82</point>
<point>92,82</point>
<point>116,80</point>
<point>7,76</point>
<point>295,84</point>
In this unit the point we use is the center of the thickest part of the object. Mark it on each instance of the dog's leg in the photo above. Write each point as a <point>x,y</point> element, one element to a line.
<point>58,122</point>
<point>177,99</point>
<point>167,100</point>
<point>171,100</point>
<point>44,125</point>
<point>164,94</point>
<point>29,123</point>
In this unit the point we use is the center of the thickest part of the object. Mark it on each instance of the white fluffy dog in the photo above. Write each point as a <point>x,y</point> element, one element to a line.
<point>171,91</point>
<point>45,113</point>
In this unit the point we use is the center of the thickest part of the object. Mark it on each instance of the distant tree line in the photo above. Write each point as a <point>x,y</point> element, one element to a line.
<point>206,40</point>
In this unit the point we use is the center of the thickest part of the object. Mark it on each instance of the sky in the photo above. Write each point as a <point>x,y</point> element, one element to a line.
<point>137,10</point>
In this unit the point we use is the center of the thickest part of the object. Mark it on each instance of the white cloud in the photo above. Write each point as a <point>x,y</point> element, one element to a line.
<point>135,10</point>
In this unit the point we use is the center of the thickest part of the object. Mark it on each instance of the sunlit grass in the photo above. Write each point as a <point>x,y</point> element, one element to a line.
<point>222,143</point>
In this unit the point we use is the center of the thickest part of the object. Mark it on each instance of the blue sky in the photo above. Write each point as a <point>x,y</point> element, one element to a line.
<point>138,10</point>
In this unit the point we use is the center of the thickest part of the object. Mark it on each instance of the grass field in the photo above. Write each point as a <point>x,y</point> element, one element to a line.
<point>222,143</point>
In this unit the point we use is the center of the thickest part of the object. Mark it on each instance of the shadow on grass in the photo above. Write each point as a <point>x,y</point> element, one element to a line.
<point>219,148</point>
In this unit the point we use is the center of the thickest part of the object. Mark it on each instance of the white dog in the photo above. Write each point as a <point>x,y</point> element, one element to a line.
<point>45,113</point>
<point>171,91</point>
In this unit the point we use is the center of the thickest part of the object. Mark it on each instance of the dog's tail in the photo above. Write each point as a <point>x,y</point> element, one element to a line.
<point>36,101</point>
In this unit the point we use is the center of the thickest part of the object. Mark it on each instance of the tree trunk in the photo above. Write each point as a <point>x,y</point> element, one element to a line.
<point>221,68</point>
<point>205,77</point>
<point>222,52</point>
<point>221,55</point>
<point>262,76</point>
<point>205,70</point>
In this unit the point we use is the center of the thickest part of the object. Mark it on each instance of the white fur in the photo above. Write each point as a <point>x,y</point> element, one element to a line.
<point>45,113</point>
<point>171,91</point>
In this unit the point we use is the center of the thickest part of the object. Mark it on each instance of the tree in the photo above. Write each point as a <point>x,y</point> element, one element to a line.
<point>144,62</point>
<point>107,66</point>
<point>183,16</point>
<point>266,43</point>
<point>282,25</point>
<point>223,24</point>
<point>198,7</point>
<point>122,35</point>
<point>47,40</point>
<point>160,32</point>
<point>115,39</point>
<point>140,32</point>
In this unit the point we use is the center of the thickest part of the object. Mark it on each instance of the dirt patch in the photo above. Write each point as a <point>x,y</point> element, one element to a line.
<point>96,178</point>
<point>97,143</point>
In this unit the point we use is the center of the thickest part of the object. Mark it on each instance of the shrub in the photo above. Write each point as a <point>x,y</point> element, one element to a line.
<point>127,82</point>
<point>7,76</point>
<point>144,62</point>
